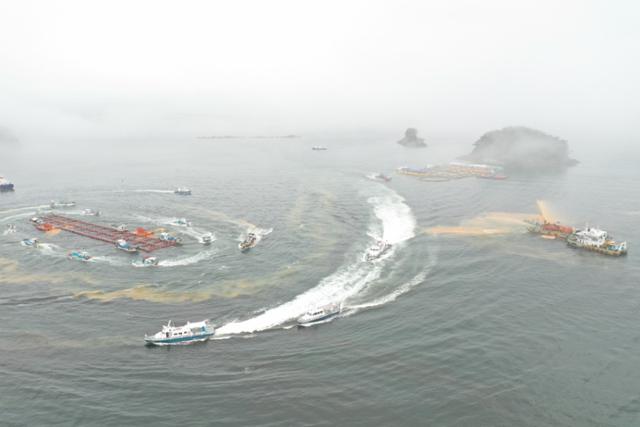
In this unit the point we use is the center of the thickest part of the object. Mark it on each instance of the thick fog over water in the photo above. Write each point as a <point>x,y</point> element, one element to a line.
<point>119,70</point>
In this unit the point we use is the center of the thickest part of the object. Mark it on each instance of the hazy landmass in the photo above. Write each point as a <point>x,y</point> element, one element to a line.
<point>411,139</point>
<point>522,149</point>
<point>249,137</point>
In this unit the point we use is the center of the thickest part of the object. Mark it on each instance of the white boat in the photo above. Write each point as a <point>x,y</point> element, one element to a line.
<point>181,222</point>
<point>148,261</point>
<point>33,242</point>
<point>169,238</point>
<point>10,229</point>
<point>55,205</point>
<point>91,212</point>
<point>597,240</point>
<point>125,246</point>
<point>318,314</point>
<point>181,335</point>
<point>376,251</point>
<point>206,238</point>
<point>182,191</point>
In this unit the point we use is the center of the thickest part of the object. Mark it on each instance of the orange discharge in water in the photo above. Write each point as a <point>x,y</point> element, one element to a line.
<point>487,224</point>
<point>544,211</point>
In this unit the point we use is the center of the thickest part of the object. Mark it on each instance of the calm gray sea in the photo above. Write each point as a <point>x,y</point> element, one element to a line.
<point>455,327</point>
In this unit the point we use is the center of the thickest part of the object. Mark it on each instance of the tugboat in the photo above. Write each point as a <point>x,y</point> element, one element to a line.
<point>79,255</point>
<point>169,238</point>
<point>181,335</point>
<point>206,238</point>
<point>182,191</point>
<point>376,251</point>
<point>33,242</point>
<point>91,212</point>
<point>56,205</point>
<point>148,261</point>
<point>319,314</point>
<point>5,186</point>
<point>125,246</point>
<point>594,239</point>
<point>248,243</point>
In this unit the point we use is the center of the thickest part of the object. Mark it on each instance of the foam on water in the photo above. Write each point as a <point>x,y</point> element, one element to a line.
<point>398,225</point>
<point>200,256</point>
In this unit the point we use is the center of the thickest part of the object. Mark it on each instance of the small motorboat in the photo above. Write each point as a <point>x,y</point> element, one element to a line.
<point>206,238</point>
<point>181,335</point>
<point>319,148</point>
<point>380,177</point>
<point>120,227</point>
<point>79,256</point>
<point>182,191</point>
<point>249,242</point>
<point>148,261</point>
<point>181,222</point>
<point>169,238</point>
<point>320,313</point>
<point>125,246</point>
<point>36,220</point>
<point>377,250</point>
<point>55,205</point>
<point>91,212</point>
<point>33,242</point>
<point>10,229</point>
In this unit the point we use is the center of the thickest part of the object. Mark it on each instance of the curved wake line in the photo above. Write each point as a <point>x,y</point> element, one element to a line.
<point>200,256</point>
<point>26,208</point>
<point>398,224</point>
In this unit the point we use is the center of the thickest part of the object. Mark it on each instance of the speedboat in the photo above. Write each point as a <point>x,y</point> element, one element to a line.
<point>147,261</point>
<point>320,313</point>
<point>37,220</point>
<point>181,335</point>
<point>249,242</point>
<point>125,246</point>
<point>54,205</point>
<point>121,227</point>
<point>377,250</point>
<point>33,242</point>
<point>79,255</point>
<point>181,222</point>
<point>182,191</point>
<point>91,212</point>
<point>206,238</point>
<point>380,177</point>
<point>169,238</point>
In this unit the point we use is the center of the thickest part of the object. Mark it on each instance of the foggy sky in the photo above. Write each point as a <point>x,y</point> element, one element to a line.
<point>119,69</point>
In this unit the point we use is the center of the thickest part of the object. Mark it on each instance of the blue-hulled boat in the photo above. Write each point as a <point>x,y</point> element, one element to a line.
<point>5,185</point>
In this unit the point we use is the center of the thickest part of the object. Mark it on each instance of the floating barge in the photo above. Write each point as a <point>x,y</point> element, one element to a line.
<point>454,170</point>
<point>145,243</point>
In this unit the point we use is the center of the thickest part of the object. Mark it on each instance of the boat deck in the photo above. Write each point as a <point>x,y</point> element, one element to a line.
<point>106,234</point>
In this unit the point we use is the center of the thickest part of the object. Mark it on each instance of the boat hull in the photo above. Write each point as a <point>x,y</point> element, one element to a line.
<point>308,321</point>
<point>178,340</point>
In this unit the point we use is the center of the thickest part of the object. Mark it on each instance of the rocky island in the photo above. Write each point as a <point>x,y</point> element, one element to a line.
<point>411,139</point>
<point>522,149</point>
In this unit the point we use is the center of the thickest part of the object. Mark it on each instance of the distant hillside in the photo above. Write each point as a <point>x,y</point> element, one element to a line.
<point>522,149</point>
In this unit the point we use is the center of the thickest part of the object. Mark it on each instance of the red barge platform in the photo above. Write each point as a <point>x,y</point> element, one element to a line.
<point>145,243</point>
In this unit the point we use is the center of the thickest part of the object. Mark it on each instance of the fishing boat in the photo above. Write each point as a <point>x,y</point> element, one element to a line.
<point>56,205</point>
<point>91,212</point>
<point>33,242</point>
<point>79,256</point>
<point>249,242</point>
<point>596,240</point>
<point>169,238</point>
<point>5,186</point>
<point>148,261</point>
<point>182,191</point>
<point>125,246</point>
<point>206,238</point>
<point>181,335</point>
<point>318,314</point>
<point>376,251</point>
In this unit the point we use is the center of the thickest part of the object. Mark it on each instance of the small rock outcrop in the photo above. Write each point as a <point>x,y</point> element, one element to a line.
<point>411,139</point>
<point>522,149</point>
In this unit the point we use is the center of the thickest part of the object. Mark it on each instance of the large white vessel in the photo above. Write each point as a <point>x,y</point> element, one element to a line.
<point>180,335</point>
<point>597,240</point>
